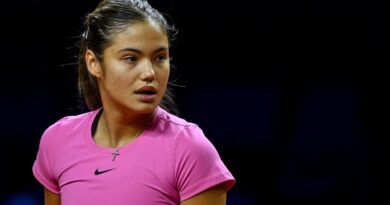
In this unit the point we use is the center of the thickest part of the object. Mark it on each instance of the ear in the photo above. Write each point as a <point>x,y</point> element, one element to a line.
<point>93,64</point>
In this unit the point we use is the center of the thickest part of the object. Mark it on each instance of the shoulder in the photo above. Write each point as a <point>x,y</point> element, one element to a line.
<point>171,119</point>
<point>65,126</point>
<point>188,138</point>
<point>197,165</point>
<point>172,125</point>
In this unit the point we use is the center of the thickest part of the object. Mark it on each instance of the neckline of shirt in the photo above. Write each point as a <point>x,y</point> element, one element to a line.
<point>88,138</point>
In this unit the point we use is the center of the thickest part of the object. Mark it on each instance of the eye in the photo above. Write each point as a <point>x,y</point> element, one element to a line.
<point>161,58</point>
<point>130,59</point>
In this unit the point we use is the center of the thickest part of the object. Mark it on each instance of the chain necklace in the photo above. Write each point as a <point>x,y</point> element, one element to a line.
<point>116,151</point>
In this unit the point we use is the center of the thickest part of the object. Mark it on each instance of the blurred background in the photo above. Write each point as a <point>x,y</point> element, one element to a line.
<point>287,91</point>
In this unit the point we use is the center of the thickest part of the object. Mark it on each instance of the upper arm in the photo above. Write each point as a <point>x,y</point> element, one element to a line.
<point>213,196</point>
<point>52,198</point>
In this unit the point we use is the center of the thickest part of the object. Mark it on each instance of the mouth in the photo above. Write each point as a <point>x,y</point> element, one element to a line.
<point>147,94</point>
<point>147,90</point>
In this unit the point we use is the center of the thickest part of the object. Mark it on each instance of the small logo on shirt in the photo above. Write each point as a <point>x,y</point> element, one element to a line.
<point>97,172</point>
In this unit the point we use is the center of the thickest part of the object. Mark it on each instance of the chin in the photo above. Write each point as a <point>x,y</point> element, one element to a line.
<point>146,109</point>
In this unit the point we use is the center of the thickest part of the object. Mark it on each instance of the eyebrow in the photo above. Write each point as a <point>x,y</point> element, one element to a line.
<point>140,52</point>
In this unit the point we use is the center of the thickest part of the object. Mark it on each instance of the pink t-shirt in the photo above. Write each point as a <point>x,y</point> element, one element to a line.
<point>169,162</point>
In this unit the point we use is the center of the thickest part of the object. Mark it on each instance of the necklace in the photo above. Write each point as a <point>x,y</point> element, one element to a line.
<point>116,151</point>
<point>94,128</point>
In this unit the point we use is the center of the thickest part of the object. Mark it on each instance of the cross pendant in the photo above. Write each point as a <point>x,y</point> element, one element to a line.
<point>114,154</point>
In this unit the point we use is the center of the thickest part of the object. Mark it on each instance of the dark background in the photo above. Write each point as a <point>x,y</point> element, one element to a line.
<point>287,91</point>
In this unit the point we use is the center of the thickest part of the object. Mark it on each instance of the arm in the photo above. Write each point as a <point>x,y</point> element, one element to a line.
<point>52,198</point>
<point>213,196</point>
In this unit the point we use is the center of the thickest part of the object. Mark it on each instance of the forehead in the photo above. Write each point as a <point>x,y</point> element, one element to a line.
<point>139,35</point>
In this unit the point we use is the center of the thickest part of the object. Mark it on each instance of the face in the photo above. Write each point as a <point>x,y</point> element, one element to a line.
<point>134,71</point>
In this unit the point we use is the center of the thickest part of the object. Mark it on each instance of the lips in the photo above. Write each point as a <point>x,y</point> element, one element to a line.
<point>147,90</point>
<point>147,94</point>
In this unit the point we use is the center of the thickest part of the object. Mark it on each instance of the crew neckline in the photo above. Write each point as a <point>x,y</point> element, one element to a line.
<point>88,137</point>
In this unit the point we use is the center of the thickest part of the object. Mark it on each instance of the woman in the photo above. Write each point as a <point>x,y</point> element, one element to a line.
<point>128,149</point>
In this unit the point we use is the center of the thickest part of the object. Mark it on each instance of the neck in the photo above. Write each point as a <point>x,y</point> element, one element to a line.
<point>115,129</point>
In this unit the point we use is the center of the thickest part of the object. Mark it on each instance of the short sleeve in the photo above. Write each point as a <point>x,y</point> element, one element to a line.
<point>42,168</point>
<point>198,165</point>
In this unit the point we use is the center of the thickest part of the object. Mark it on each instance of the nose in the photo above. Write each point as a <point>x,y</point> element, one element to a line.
<point>148,74</point>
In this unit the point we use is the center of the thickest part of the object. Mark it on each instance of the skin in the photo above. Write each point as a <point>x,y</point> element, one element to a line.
<point>137,57</point>
<point>51,198</point>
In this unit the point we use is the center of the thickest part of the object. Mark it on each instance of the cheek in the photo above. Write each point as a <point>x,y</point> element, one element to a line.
<point>116,82</point>
<point>164,75</point>
<point>119,77</point>
<point>123,82</point>
<point>113,80</point>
